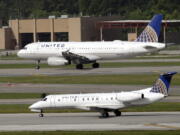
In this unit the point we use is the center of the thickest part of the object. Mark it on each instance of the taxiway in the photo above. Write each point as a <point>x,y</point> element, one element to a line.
<point>99,71</point>
<point>90,121</point>
<point>73,88</point>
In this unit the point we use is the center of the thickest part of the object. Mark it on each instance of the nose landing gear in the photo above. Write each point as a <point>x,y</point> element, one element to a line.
<point>41,114</point>
<point>37,64</point>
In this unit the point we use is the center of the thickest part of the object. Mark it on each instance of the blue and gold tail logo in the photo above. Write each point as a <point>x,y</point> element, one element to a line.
<point>152,31</point>
<point>148,35</point>
<point>163,83</point>
<point>160,87</point>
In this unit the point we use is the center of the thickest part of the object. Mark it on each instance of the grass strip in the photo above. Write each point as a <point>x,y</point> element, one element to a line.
<point>138,79</point>
<point>155,107</point>
<point>139,132</point>
<point>138,64</point>
<point>10,57</point>
<point>20,66</point>
<point>19,95</point>
<point>103,65</point>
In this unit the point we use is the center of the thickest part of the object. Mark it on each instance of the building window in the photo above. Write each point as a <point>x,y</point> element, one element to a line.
<point>61,36</point>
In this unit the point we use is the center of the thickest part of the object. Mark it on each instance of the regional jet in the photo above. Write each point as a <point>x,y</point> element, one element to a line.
<point>79,53</point>
<point>107,102</point>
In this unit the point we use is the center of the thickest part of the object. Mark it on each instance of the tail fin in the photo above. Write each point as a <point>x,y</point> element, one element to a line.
<point>163,83</point>
<point>152,31</point>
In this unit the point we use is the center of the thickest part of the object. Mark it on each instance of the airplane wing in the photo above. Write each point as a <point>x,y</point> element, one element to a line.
<point>104,108</point>
<point>77,58</point>
<point>99,108</point>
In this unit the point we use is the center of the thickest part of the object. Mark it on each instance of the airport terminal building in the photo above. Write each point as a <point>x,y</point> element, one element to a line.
<point>23,31</point>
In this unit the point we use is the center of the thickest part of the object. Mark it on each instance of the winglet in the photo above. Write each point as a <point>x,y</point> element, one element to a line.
<point>152,31</point>
<point>163,83</point>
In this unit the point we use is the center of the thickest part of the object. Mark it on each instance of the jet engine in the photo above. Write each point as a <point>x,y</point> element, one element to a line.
<point>129,96</point>
<point>57,61</point>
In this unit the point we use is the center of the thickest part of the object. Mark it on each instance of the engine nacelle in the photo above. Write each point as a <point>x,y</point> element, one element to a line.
<point>129,96</point>
<point>57,61</point>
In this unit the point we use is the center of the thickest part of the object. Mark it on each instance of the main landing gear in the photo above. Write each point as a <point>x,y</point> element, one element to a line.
<point>117,113</point>
<point>79,66</point>
<point>41,114</point>
<point>105,114</point>
<point>37,64</point>
<point>94,65</point>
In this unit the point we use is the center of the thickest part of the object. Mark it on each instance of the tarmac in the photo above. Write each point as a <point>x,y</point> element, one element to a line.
<point>90,121</point>
<point>74,88</point>
<point>99,71</point>
<point>85,121</point>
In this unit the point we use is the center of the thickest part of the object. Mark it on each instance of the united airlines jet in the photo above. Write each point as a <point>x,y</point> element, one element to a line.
<point>79,53</point>
<point>107,102</point>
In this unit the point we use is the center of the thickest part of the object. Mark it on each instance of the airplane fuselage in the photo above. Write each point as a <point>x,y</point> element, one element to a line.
<point>107,102</point>
<point>102,50</point>
<point>96,101</point>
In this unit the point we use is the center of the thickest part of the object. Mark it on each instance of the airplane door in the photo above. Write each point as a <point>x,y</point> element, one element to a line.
<point>53,101</point>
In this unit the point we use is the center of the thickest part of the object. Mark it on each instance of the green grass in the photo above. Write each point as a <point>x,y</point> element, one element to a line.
<point>19,95</point>
<point>20,66</point>
<point>139,132</point>
<point>14,108</point>
<point>10,57</point>
<point>173,47</point>
<point>157,56</point>
<point>138,64</point>
<point>138,79</point>
<point>155,107</point>
<point>103,65</point>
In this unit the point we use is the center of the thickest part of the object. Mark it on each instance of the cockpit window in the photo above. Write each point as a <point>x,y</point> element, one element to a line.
<point>44,99</point>
<point>25,48</point>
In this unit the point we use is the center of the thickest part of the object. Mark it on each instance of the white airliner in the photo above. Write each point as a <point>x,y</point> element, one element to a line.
<point>79,53</point>
<point>107,102</point>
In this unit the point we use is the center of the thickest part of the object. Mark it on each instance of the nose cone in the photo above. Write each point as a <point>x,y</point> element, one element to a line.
<point>37,105</point>
<point>20,53</point>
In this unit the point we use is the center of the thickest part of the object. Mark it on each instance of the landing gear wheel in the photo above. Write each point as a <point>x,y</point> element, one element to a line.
<point>105,115</point>
<point>41,115</point>
<point>117,113</point>
<point>79,66</point>
<point>37,64</point>
<point>38,67</point>
<point>95,65</point>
